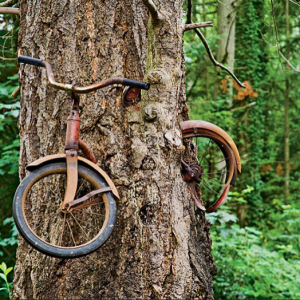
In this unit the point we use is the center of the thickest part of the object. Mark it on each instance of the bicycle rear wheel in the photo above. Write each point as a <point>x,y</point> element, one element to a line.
<point>57,232</point>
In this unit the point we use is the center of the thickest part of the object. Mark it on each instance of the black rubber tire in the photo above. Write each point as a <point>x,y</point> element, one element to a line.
<point>57,251</point>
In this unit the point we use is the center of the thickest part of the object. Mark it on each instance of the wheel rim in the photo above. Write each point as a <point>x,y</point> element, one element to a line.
<point>215,158</point>
<point>63,229</point>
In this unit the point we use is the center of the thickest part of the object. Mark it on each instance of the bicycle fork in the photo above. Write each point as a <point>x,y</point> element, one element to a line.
<point>72,144</point>
<point>71,148</point>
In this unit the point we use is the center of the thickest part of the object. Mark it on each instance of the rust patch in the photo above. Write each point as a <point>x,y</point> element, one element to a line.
<point>131,96</point>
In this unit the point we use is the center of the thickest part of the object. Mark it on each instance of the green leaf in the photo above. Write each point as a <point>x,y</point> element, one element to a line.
<point>8,271</point>
<point>3,267</point>
<point>3,276</point>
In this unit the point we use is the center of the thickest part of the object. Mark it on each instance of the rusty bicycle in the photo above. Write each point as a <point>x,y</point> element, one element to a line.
<point>76,210</point>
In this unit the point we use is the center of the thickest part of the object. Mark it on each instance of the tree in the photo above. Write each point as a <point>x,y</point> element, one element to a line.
<point>226,31</point>
<point>165,252</point>
<point>286,114</point>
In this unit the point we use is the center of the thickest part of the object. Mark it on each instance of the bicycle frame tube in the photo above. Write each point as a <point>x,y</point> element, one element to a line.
<point>73,128</point>
<point>71,147</point>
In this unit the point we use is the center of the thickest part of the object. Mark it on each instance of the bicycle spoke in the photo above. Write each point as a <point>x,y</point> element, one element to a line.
<point>62,231</point>
<point>215,180</point>
<point>71,233</point>
<point>217,162</point>
<point>79,224</point>
<point>204,152</point>
<point>79,189</point>
<point>210,188</point>
<point>215,173</point>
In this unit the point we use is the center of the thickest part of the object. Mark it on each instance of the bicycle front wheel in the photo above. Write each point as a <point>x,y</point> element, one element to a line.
<point>58,232</point>
<point>216,161</point>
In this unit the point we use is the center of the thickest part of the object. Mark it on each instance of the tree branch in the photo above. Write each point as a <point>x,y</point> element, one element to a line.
<point>197,25</point>
<point>198,32</point>
<point>155,14</point>
<point>294,2</point>
<point>9,10</point>
<point>6,3</point>
<point>243,107</point>
<point>287,61</point>
<point>213,59</point>
<point>16,93</point>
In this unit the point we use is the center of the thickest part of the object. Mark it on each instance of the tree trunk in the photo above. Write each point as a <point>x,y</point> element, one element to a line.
<point>286,113</point>
<point>207,61</point>
<point>164,253</point>
<point>225,44</point>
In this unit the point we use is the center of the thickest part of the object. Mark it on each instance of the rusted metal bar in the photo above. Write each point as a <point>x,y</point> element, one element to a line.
<point>84,90</point>
<point>71,89</point>
<point>87,151</point>
<point>53,82</point>
<point>101,84</point>
<point>191,173</point>
<point>73,128</point>
<point>88,196</point>
<point>195,198</point>
<point>72,177</point>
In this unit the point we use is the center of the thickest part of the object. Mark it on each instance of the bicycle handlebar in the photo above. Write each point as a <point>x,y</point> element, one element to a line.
<point>77,89</point>
<point>30,61</point>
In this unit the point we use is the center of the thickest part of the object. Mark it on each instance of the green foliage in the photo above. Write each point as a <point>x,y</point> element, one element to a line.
<point>255,237</point>
<point>12,239</point>
<point>4,276</point>
<point>253,263</point>
<point>9,143</point>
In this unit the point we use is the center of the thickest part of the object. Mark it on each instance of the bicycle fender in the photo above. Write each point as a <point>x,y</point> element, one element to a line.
<point>62,157</point>
<point>216,129</point>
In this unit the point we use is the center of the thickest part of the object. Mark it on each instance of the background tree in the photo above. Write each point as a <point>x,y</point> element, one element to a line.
<point>226,42</point>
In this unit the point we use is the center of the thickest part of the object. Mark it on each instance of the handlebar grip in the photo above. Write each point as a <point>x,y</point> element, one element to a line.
<point>30,61</point>
<point>135,83</point>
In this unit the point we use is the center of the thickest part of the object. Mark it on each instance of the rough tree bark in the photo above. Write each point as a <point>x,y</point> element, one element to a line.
<point>164,253</point>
